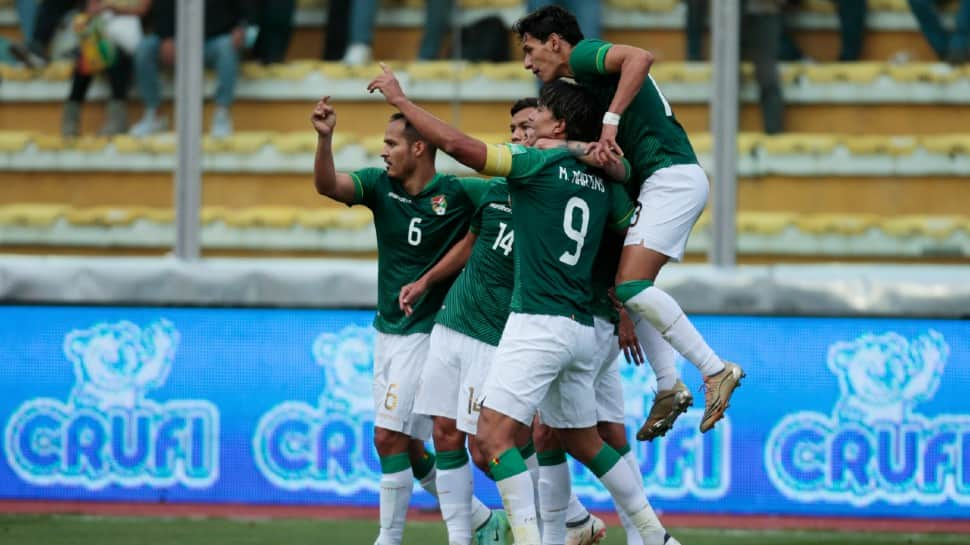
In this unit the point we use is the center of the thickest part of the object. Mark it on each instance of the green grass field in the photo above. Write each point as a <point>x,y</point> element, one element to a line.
<point>88,530</point>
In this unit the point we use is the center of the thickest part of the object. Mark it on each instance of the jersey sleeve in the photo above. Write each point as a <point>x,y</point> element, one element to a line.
<point>518,163</point>
<point>588,58</point>
<point>475,226</point>
<point>622,209</point>
<point>475,188</point>
<point>365,180</point>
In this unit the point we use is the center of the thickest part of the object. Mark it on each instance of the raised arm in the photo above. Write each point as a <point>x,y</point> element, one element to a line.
<point>326,179</point>
<point>449,266</point>
<point>465,149</point>
<point>633,64</point>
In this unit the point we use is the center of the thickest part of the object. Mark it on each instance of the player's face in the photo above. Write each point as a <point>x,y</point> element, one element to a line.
<point>521,130</point>
<point>397,153</point>
<point>545,125</point>
<point>542,58</point>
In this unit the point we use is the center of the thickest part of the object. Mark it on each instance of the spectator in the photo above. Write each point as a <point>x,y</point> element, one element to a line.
<point>760,41</point>
<point>363,15</point>
<point>335,38</point>
<point>225,34</point>
<point>275,22</point>
<point>38,25</point>
<point>953,47</point>
<point>589,13</point>
<point>761,34</point>
<point>852,23</point>
<point>119,76</point>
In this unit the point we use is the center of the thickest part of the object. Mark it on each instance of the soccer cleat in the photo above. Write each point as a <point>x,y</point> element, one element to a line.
<point>717,393</point>
<point>667,406</point>
<point>586,532</point>
<point>495,531</point>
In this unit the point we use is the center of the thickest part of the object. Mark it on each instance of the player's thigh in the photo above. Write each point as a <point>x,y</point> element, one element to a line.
<point>607,385</point>
<point>440,381</point>
<point>571,401</point>
<point>531,354</point>
<point>476,362</point>
<point>670,200</point>
<point>398,363</point>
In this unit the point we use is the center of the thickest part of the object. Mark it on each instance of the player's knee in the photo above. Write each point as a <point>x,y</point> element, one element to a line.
<point>478,455</point>
<point>446,435</point>
<point>545,438</point>
<point>613,434</point>
<point>389,442</point>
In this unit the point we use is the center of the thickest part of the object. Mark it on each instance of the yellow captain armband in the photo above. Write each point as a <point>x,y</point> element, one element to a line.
<point>498,160</point>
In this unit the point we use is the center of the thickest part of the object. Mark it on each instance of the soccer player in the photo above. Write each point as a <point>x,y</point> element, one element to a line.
<point>670,187</point>
<point>547,353</point>
<point>418,215</point>
<point>463,340</point>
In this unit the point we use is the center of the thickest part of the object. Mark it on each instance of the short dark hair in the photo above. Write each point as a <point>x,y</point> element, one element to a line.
<point>549,20</point>
<point>410,133</point>
<point>523,103</point>
<point>576,106</point>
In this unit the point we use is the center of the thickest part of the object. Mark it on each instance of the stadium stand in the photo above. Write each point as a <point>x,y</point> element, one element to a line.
<point>874,166</point>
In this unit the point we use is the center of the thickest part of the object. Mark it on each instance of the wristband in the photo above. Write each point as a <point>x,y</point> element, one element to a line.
<point>610,118</point>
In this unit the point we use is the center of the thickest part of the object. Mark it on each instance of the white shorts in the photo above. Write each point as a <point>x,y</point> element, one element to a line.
<point>398,361</point>
<point>451,383</point>
<point>546,363</point>
<point>671,200</point>
<point>608,386</point>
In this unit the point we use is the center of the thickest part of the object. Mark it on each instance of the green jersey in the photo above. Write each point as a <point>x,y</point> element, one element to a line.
<point>478,303</point>
<point>414,233</point>
<point>649,134</point>
<point>607,261</point>
<point>559,210</point>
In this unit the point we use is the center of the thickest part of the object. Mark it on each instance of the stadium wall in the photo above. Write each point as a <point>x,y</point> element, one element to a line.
<point>859,413</point>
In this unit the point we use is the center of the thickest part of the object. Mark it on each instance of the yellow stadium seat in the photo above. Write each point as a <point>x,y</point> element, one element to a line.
<point>31,214</point>
<point>162,144</point>
<point>247,142</point>
<point>58,71</point>
<point>293,71</point>
<point>938,227</point>
<point>504,71</point>
<point>14,141</point>
<point>949,144</point>
<point>355,218</point>
<point>263,216</point>
<point>787,144</point>
<point>818,6</point>
<point>764,223</point>
<point>15,73</point>
<point>843,224</point>
<point>295,142</point>
<point>372,144</point>
<point>109,216</point>
<point>212,214</point>
<point>130,144</point>
<point>49,142</point>
<point>880,145</point>
<point>889,5</point>
<point>440,70</point>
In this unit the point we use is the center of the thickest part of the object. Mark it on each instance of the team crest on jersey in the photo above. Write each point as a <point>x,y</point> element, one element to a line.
<point>439,203</point>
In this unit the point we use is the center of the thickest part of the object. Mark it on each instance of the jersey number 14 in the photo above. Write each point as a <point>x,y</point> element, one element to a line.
<point>504,240</point>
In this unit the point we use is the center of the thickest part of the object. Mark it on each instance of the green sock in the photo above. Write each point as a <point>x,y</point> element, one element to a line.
<point>424,466</point>
<point>508,464</point>
<point>604,461</point>
<point>628,290</point>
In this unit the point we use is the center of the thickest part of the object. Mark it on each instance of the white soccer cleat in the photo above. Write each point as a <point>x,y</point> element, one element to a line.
<point>586,532</point>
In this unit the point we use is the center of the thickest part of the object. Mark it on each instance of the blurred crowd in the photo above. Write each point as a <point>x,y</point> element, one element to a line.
<point>131,41</point>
